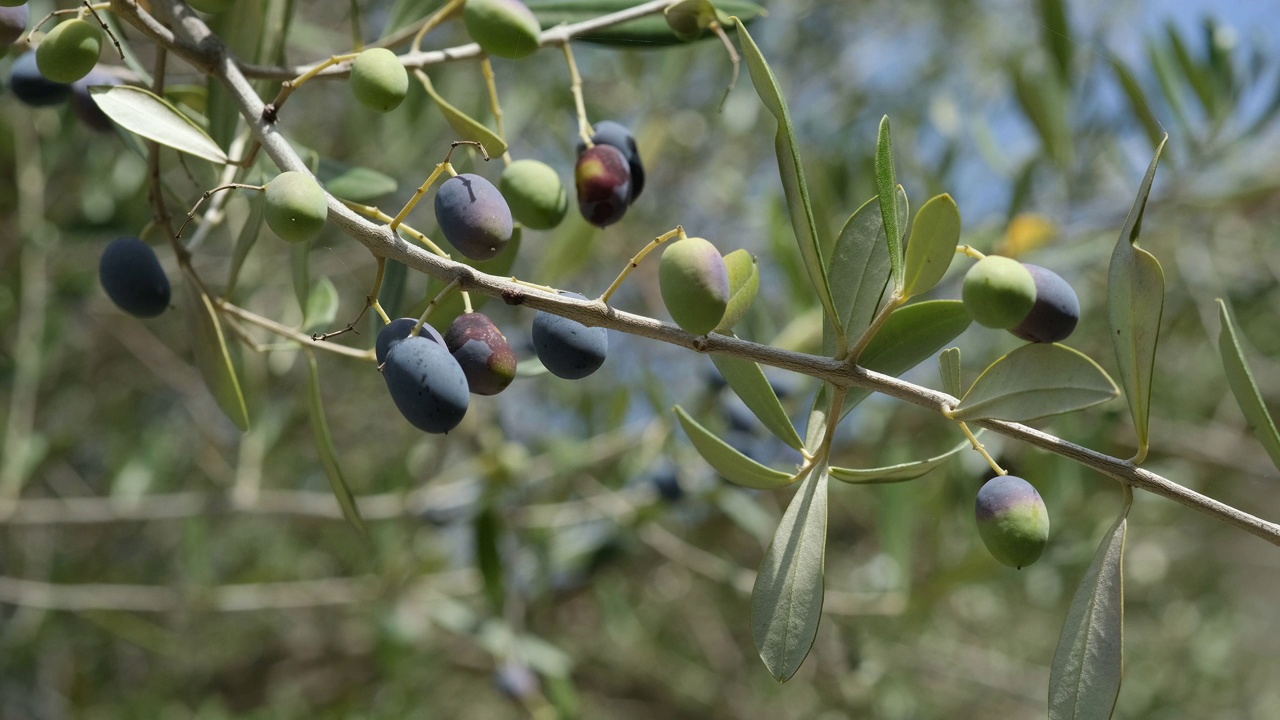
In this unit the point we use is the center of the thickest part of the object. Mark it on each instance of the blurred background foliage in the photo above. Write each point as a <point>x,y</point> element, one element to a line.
<point>564,552</point>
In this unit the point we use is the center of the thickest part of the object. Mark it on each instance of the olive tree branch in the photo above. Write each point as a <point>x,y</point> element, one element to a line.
<point>381,241</point>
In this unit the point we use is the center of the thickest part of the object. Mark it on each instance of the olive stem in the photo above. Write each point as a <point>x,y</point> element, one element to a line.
<point>431,306</point>
<point>490,81</point>
<point>575,86</point>
<point>377,214</point>
<point>289,86</point>
<point>209,193</point>
<point>894,302</point>
<point>635,261</point>
<point>982,449</point>
<point>434,21</point>
<point>970,251</point>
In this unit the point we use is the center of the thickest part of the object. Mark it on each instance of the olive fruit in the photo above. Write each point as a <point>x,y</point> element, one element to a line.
<point>473,216</point>
<point>211,6</point>
<point>483,353</point>
<point>603,179</point>
<point>608,132</point>
<point>426,383</point>
<point>694,283</point>
<point>69,51</point>
<point>505,28</point>
<point>85,107</point>
<point>1012,520</point>
<point>378,80</point>
<point>13,22</point>
<point>535,194</point>
<point>1056,311</point>
<point>998,292</point>
<point>296,206</point>
<point>31,87</point>
<point>131,274</point>
<point>744,283</point>
<point>567,348</point>
<point>397,330</point>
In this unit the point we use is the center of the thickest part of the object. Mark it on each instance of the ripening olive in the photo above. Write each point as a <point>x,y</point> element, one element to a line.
<point>1012,520</point>
<point>1056,311</point>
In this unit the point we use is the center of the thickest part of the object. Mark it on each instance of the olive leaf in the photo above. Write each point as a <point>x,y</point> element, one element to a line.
<point>910,336</point>
<point>949,368</point>
<point>751,386</point>
<point>731,464</point>
<point>1036,380</point>
<point>935,233</point>
<point>328,453</point>
<point>141,111</point>
<point>1135,304</point>
<point>1084,680</point>
<point>467,127</point>
<point>786,602</point>
<point>212,356</point>
<point>887,191</point>
<point>1240,378</point>
<point>896,473</point>
<point>791,171</point>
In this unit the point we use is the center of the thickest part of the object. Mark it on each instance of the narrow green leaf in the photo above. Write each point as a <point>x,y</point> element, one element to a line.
<point>1046,103</point>
<point>468,128</point>
<point>949,367</point>
<point>1056,32</point>
<point>750,384</point>
<point>934,235</point>
<point>1035,381</point>
<point>212,357</point>
<point>887,191</point>
<point>792,173</point>
<point>357,184</point>
<point>896,473</point>
<point>142,112</point>
<point>1084,681</point>
<point>733,465</point>
<point>1240,378</point>
<point>786,602</point>
<point>1196,74</point>
<point>300,271</point>
<point>488,530</point>
<point>322,306</point>
<point>819,414</point>
<point>1138,103</point>
<point>860,267</point>
<point>328,453</point>
<point>245,241</point>
<point>909,337</point>
<point>1135,303</point>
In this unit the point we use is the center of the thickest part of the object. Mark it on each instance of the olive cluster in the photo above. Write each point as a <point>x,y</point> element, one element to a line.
<point>62,67</point>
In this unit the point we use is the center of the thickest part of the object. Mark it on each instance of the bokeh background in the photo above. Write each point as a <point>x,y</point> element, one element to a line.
<point>565,552</point>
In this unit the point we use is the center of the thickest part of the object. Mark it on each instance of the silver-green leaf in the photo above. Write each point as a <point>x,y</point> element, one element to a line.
<point>751,386</point>
<point>1084,681</point>
<point>896,473</point>
<point>467,127</point>
<point>212,357</point>
<point>731,464</point>
<point>786,602</point>
<point>1240,378</point>
<point>949,368</point>
<point>935,232</point>
<point>792,172</point>
<point>910,335</point>
<point>1035,381</point>
<point>143,112</point>
<point>328,453</point>
<point>1135,303</point>
<point>887,191</point>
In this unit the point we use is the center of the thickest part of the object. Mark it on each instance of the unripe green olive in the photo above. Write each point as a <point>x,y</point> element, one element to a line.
<point>695,284</point>
<point>378,80</point>
<point>744,283</point>
<point>296,206</point>
<point>535,194</point>
<point>69,51</point>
